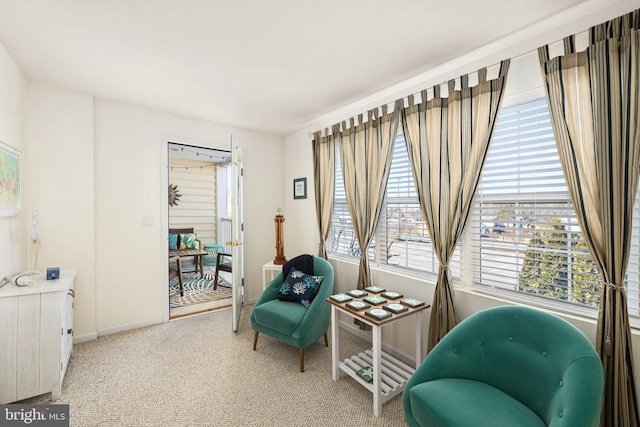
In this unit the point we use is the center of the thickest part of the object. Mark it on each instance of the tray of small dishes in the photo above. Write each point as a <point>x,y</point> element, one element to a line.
<point>376,302</point>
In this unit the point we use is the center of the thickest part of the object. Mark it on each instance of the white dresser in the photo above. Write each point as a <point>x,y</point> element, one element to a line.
<point>36,337</point>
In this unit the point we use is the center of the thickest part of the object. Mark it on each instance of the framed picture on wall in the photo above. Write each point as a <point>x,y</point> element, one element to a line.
<point>10,180</point>
<point>300,188</point>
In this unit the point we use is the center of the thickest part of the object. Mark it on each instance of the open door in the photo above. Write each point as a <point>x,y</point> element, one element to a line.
<point>237,227</point>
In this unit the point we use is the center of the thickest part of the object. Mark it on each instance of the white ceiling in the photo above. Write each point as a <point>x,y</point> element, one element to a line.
<point>265,65</point>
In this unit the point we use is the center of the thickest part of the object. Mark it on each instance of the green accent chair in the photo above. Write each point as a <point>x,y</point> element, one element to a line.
<point>508,366</point>
<point>291,322</point>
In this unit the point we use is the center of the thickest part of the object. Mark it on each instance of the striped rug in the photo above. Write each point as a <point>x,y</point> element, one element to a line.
<point>196,290</point>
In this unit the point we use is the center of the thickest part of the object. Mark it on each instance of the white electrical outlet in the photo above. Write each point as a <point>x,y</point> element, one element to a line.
<point>147,222</point>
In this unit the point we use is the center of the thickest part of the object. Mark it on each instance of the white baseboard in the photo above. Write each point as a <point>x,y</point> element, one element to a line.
<point>127,327</point>
<point>366,335</point>
<point>84,338</point>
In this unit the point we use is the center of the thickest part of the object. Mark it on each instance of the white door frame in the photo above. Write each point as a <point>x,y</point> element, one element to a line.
<point>164,200</point>
<point>237,232</point>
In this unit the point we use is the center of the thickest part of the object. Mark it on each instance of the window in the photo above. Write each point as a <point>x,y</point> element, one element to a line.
<point>633,270</point>
<point>342,238</point>
<point>401,238</point>
<point>402,225</point>
<point>526,237</point>
<point>523,236</point>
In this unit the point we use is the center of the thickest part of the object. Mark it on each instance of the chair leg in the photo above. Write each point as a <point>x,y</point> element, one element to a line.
<point>215,279</point>
<point>326,340</point>
<point>302,360</point>
<point>180,277</point>
<point>201,258</point>
<point>255,340</point>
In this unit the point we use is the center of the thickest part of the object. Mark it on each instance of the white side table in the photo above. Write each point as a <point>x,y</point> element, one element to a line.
<point>273,271</point>
<point>390,375</point>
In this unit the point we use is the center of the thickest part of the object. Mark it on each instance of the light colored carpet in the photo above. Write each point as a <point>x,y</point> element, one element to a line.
<point>196,372</point>
<point>197,290</point>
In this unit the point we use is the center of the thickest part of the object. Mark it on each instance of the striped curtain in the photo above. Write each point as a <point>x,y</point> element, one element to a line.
<point>594,99</point>
<point>448,140</point>
<point>366,152</point>
<point>324,171</point>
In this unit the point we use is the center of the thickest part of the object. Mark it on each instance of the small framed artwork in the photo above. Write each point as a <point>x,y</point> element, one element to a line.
<point>300,188</point>
<point>10,180</point>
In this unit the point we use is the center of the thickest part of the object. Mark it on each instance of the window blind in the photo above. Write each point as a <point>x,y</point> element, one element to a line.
<point>408,242</point>
<point>527,237</point>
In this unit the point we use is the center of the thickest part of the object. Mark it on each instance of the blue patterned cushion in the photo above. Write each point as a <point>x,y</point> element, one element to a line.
<point>299,287</point>
<point>188,241</point>
<point>173,241</point>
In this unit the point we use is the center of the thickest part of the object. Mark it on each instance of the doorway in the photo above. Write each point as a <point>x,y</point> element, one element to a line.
<point>199,220</point>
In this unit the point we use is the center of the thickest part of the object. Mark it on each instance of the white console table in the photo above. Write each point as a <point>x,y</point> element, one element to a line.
<point>271,269</point>
<point>390,375</point>
<point>36,331</point>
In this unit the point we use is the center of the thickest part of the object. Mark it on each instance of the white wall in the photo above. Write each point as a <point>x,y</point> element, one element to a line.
<point>61,187</point>
<point>13,104</point>
<point>301,233</point>
<point>130,178</point>
<point>95,169</point>
<point>300,228</point>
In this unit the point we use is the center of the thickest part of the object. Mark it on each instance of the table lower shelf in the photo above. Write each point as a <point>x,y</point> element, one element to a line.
<point>395,373</point>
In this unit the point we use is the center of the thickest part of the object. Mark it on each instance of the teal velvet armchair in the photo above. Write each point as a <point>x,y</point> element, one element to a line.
<point>292,322</point>
<point>508,366</point>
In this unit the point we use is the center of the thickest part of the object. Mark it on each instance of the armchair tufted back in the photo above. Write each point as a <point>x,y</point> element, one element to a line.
<point>535,357</point>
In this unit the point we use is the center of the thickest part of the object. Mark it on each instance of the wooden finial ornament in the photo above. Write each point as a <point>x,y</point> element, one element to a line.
<point>280,258</point>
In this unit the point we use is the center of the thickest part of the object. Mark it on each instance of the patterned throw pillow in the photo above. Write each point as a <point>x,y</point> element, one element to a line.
<point>299,287</point>
<point>173,241</point>
<point>188,241</point>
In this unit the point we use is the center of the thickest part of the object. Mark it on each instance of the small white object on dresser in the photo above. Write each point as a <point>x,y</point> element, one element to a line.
<point>36,337</point>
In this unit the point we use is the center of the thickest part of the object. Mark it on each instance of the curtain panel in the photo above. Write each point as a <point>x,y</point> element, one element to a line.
<point>324,172</point>
<point>366,152</point>
<point>594,100</point>
<point>448,140</point>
